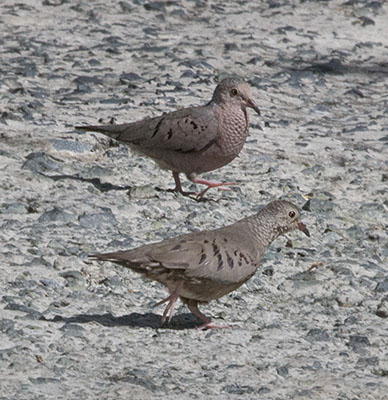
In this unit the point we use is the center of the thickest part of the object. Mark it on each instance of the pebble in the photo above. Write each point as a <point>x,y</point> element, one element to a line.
<point>40,162</point>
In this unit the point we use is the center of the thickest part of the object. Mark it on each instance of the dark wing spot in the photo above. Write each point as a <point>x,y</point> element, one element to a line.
<point>243,257</point>
<point>225,240</point>
<point>195,126</point>
<point>216,249</point>
<point>203,258</point>
<point>220,262</point>
<point>230,261</point>
<point>206,241</point>
<point>157,127</point>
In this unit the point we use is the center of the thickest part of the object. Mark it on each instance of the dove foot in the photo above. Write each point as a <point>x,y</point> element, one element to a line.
<point>210,185</point>
<point>169,310</point>
<point>178,186</point>
<point>182,192</point>
<point>208,324</point>
<point>199,196</point>
<point>211,325</point>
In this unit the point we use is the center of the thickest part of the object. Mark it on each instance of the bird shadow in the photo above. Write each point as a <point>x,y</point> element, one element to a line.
<point>106,186</point>
<point>96,182</point>
<point>133,320</point>
<point>192,196</point>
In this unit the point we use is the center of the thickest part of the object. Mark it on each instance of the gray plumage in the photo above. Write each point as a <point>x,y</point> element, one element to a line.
<point>192,140</point>
<point>203,266</point>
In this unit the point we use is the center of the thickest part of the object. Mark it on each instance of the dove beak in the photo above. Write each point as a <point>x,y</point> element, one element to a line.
<point>252,104</point>
<point>302,227</point>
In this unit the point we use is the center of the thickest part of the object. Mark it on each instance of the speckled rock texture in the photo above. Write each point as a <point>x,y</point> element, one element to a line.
<point>312,323</point>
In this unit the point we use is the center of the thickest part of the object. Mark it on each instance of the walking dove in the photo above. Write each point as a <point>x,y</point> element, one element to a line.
<point>192,140</point>
<point>203,266</point>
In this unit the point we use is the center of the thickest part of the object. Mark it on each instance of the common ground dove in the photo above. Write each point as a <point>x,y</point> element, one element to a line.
<point>203,266</point>
<point>192,140</point>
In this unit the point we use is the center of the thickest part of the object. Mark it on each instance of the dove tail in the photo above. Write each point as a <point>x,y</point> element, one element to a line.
<point>112,131</point>
<point>114,256</point>
<point>121,258</point>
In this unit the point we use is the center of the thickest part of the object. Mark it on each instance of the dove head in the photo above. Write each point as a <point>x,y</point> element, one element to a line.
<point>285,216</point>
<point>234,91</point>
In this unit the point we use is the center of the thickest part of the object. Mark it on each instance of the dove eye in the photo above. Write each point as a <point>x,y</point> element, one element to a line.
<point>291,214</point>
<point>233,92</point>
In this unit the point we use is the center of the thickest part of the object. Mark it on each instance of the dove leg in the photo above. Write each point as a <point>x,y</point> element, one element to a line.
<point>208,324</point>
<point>178,185</point>
<point>211,184</point>
<point>169,310</point>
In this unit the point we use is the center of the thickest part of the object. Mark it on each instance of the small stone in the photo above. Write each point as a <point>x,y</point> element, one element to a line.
<point>382,308</point>
<point>318,206</point>
<point>357,341</point>
<point>349,297</point>
<point>73,330</point>
<point>6,325</point>
<point>41,162</point>
<point>73,278</point>
<point>13,208</point>
<point>57,215</point>
<point>93,221</point>
<point>317,335</point>
<point>159,6</point>
<point>72,146</point>
<point>21,307</point>
<point>282,371</point>
<point>238,389</point>
<point>367,361</point>
<point>50,284</point>
<point>141,192</point>
<point>351,320</point>
<point>382,287</point>
<point>130,78</point>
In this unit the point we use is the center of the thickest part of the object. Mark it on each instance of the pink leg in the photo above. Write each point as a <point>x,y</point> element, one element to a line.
<point>211,184</point>
<point>178,185</point>
<point>171,303</point>
<point>208,324</point>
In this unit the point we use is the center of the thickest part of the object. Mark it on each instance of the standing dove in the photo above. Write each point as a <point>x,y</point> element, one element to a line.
<point>203,266</point>
<point>192,140</point>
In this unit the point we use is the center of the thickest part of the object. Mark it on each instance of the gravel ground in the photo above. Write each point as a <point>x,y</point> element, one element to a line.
<point>312,323</point>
